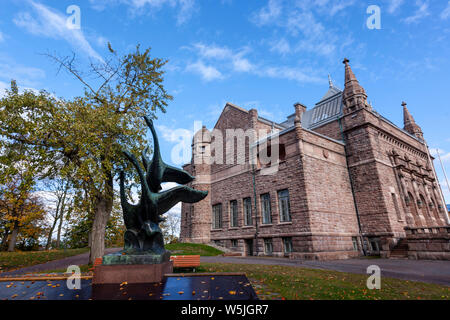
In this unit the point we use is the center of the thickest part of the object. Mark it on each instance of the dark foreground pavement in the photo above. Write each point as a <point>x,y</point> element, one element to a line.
<point>416,270</point>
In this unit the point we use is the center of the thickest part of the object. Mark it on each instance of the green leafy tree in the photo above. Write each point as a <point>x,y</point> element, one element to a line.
<point>84,138</point>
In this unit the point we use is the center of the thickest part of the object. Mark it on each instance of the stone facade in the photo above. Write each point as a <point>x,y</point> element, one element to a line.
<point>346,181</point>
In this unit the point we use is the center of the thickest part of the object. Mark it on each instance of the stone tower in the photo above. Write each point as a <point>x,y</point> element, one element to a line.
<point>196,217</point>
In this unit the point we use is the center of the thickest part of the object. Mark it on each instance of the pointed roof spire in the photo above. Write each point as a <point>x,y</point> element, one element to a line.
<point>410,125</point>
<point>407,117</point>
<point>354,94</point>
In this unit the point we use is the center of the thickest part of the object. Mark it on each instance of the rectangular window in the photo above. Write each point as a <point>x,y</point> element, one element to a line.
<point>233,213</point>
<point>217,216</point>
<point>234,243</point>
<point>355,243</point>
<point>287,245</point>
<point>283,201</point>
<point>268,247</point>
<point>248,211</point>
<point>265,208</point>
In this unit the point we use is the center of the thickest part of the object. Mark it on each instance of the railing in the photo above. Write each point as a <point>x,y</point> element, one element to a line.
<point>427,230</point>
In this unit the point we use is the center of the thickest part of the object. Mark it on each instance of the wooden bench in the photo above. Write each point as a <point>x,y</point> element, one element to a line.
<point>185,261</point>
<point>98,262</point>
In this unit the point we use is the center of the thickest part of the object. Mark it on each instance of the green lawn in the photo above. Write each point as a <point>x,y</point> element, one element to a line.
<point>178,249</point>
<point>84,268</point>
<point>294,283</point>
<point>16,260</point>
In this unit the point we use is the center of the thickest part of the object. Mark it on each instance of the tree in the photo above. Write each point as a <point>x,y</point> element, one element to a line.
<point>59,190</point>
<point>21,211</point>
<point>171,227</point>
<point>84,138</point>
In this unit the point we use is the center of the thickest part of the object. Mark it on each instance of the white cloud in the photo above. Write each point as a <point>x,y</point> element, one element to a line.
<point>268,13</point>
<point>289,73</point>
<point>3,87</point>
<point>303,21</point>
<point>24,75</point>
<point>394,5</point>
<point>281,46</point>
<point>186,8</point>
<point>50,23</point>
<point>208,73</point>
<point>236,61</point>
<point>421,12</point>
<point>446,13</point>
<point>340,5</point>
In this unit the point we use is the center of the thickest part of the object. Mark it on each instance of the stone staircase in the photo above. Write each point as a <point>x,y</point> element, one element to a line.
<point>400,251</point>
<point>224,249</point>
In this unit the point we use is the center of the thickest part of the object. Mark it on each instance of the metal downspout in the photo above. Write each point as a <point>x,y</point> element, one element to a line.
<point>352,188</point>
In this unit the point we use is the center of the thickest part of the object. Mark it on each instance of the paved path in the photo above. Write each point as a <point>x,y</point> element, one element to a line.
<point>57,264</point>
<point>416,270</point>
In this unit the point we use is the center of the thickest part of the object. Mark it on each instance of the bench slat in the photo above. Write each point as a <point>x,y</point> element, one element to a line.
<point>186,261</point>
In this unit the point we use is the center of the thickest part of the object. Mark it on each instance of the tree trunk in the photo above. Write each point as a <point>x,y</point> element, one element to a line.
<point>103,208</point>
<point>61,219</point>
<point>13,239</point>
<point>49,238</point>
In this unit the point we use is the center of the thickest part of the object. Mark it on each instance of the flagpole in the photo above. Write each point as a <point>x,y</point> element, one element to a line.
<point>443,170</point>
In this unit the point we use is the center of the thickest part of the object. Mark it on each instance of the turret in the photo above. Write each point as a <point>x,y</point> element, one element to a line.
<point>410,125</point>
<point>354,96</point>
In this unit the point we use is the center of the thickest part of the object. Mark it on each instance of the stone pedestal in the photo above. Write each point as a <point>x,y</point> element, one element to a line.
<point>132,268</point>
<point>136,273</point>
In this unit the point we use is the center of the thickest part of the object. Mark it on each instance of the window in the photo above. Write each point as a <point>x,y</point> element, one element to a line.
<point>218,243</point>
<point>287,245</point>
<point>265,208</point>
<point>217,216</point>
<point>233,213</point>
<point>283,201</point>
<point>374,246</point>
<point>355,244</point>
<point>234,243</point>
<point>248,211</point>
<point>268,247</point>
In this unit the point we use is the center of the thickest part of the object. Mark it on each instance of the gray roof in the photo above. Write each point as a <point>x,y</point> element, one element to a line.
<point>328,109</point>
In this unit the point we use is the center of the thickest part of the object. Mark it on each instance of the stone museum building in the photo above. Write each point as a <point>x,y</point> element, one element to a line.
<point>347,182</point>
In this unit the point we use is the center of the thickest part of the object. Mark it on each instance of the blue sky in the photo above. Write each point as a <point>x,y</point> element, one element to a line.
<point>265,54</point>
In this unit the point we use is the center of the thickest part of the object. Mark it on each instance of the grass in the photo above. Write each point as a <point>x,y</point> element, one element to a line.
<point>294,283</point>
<point>84,268</point>
<point>20,259</point>
<point>177,249</point>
